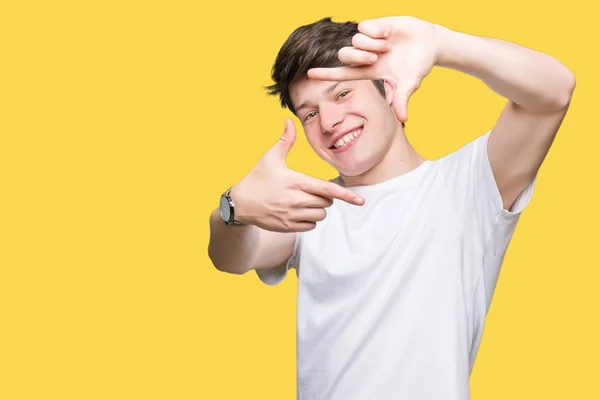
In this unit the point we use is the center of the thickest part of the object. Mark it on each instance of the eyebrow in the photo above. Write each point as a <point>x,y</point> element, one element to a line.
<point>328,90</point>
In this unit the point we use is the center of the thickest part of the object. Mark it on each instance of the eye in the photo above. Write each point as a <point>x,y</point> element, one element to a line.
<point>310,115</point>
<point>343,94</point>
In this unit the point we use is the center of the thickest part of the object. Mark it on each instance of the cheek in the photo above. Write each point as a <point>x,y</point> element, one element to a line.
<point>382,112</point>
<point>312,137</point>
<point>370,107</point>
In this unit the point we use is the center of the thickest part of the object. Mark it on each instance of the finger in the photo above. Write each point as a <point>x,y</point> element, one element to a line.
<point>400,103</point>
<point>340,73</point>
<point>288,226</point>
<point>399,106</point>
<point>308,200</point>
<point>375,28</point>
<point>286,141</point>
<point>309,215</point>
<point>331,190</point>
<point>364,42</point>
<point>303,226</point>
<point>352,56</point>
<point>321,202</point>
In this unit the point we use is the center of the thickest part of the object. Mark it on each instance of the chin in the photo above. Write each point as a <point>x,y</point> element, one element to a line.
<point>354,169</point>
<point>351,163</point>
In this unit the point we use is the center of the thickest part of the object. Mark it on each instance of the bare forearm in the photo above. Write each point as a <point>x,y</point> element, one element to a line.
<point>232,248</point>
<point>531,79</point>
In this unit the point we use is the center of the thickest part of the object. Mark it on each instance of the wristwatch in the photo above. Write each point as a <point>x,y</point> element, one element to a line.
<point>227,209</point>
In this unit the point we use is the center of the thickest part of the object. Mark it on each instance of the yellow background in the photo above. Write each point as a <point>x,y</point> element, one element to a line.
<point>123,121</point>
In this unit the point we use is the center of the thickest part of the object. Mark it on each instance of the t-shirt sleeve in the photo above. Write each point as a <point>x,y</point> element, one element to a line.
<point>275,275</point>
<point>471,184</point>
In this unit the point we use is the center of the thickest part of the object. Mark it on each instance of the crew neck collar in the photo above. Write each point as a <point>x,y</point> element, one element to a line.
<point>400,180</point>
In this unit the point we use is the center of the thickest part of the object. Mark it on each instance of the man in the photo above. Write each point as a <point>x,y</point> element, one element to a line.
<point>397,258</point>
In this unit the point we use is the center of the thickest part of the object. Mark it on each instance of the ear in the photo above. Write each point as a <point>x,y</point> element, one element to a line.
<point>390,90</point>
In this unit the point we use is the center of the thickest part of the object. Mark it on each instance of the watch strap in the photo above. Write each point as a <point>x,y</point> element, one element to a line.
<point>232,221</point>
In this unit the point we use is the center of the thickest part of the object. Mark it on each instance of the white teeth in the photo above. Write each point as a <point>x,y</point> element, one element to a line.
<point>347,138</point>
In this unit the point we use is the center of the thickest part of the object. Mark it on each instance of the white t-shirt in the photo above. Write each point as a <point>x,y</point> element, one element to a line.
<point>393,295</point>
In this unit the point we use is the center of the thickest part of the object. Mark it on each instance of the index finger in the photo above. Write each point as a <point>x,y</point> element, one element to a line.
<point>339,73</point>
<point>332,191</point>
<point>375,28</point>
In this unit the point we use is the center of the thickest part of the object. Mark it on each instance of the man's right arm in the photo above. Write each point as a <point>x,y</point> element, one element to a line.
<point>273,202</point>
<point>239,249</point>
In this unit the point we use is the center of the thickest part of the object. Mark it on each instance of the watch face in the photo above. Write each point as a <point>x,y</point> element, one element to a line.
<point>224,209</point>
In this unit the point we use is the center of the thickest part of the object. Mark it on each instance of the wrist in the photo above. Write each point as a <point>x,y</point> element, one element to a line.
<point>443,48</point>
<point>460,51</point>
<point>238,204</point>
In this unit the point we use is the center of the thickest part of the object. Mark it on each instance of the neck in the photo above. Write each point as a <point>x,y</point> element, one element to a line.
<point>399,159</point>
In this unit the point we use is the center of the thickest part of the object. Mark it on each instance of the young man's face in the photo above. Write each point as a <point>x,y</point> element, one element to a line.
<point>349,124</point>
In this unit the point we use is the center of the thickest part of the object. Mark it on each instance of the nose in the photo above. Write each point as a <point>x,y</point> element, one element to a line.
<point>331,116</point>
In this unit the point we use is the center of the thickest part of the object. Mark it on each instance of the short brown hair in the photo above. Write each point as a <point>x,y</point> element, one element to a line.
<point>314,45</point>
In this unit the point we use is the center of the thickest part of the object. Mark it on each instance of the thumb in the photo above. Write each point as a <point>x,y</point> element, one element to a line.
<point>401,103</point>
<point>286,141</point>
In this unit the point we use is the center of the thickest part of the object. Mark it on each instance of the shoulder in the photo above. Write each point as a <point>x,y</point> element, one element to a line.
<point>464,155</point>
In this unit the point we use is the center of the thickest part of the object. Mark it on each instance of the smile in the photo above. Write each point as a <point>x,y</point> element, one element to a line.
<point>346,140</point>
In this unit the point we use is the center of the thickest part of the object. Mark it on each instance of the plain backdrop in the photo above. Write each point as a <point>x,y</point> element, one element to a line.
<point>122,122</point>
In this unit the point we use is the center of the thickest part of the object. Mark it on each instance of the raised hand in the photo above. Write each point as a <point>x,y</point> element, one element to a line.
<point>278,199</point>
<point>401,50</point>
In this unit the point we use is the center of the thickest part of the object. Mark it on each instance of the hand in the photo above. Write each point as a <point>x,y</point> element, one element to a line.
<point>278,199</point>
<point>401,50</point>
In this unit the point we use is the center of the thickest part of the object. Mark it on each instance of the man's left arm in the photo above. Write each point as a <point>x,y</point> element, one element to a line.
<point>538,88</point>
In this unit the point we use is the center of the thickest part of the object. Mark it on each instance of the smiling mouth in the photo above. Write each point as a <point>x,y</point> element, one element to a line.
<point>347,139</point>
